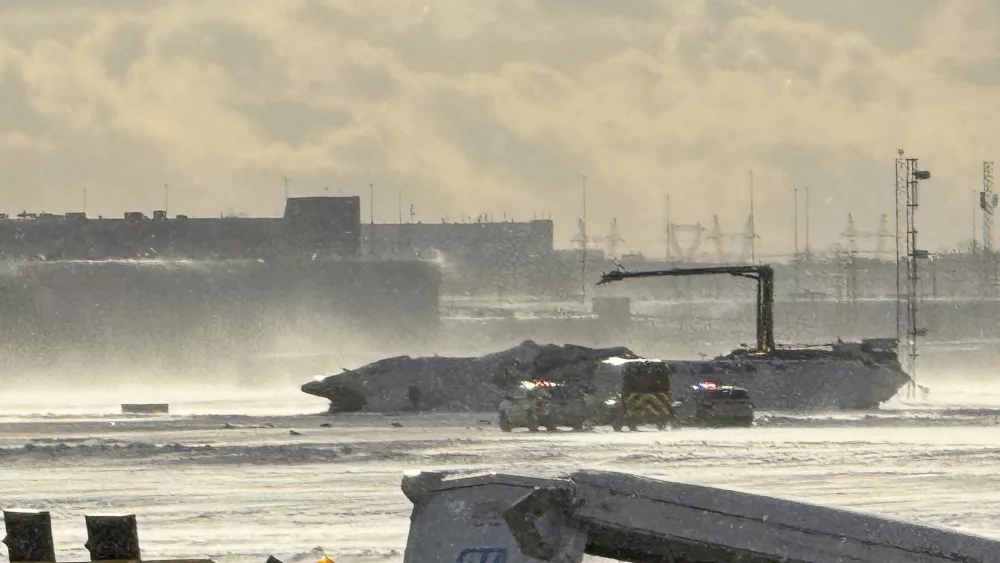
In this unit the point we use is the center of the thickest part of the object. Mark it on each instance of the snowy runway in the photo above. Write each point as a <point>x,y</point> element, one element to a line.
<point>237,488</point>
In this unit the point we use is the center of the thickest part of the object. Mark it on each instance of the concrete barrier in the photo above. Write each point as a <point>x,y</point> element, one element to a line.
<point>109,538</point>
<point>113,538</point>
<point>145,408</point>
<point>29,536</point>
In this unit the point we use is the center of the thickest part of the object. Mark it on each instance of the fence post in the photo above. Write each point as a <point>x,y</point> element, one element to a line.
<point>113,538</point>
<point>29,537</point>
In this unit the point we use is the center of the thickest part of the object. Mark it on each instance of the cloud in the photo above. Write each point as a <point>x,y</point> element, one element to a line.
<point>16,113</point>
<point>499,106</point>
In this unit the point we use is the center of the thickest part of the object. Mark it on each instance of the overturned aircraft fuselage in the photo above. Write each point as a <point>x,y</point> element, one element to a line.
<point>852,375</point>
<point>476,384</point>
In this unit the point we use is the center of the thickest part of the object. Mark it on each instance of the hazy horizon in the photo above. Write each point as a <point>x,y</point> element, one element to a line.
<point>498,107</point>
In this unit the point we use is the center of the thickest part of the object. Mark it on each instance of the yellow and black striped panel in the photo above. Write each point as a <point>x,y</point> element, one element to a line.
<point>650,407</point>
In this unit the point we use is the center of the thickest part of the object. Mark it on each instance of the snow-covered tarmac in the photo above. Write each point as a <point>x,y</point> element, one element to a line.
<point>237,487</point>
<point>243,492</point>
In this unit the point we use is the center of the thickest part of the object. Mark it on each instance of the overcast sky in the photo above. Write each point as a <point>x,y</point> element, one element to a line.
<point>499,106</point>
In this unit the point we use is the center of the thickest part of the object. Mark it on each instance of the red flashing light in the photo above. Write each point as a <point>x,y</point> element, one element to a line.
<point>707,385</point>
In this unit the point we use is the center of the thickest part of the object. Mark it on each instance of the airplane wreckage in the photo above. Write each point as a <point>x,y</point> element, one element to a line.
<point>841,376</point>
<point>497,518</point>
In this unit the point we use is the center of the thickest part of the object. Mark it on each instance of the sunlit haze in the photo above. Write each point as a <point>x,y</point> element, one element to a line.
<point>498,107</point>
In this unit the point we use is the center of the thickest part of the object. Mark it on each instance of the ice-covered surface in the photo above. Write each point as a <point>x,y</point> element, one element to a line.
<point>239,487</point>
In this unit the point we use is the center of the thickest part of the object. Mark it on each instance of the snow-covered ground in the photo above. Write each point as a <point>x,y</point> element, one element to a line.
<point>224,476</point>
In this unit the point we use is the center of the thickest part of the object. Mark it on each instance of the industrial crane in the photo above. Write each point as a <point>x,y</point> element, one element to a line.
<point>764,275</point>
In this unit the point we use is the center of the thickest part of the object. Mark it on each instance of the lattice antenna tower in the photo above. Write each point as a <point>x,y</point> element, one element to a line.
<point>725,242</point>
<point>581,239</point>
<point>913,269</point>
<point>988,203</point>
<point>688,252</point>
<point>750,238</point>
<point>613,240</point>
<point>718,238</point>
<point>883,234</point>
<point>584,240</point>
<point>851,234</point>
<point>908,176</point>
<point>667,229</point>
<point>751,227</point>
<point>900,214</point>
